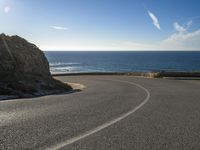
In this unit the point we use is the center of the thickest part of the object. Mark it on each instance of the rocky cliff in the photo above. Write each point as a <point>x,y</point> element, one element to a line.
<point>24,69</point>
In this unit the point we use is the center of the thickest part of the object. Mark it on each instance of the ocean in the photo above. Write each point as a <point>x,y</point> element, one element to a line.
<point>123,61</point>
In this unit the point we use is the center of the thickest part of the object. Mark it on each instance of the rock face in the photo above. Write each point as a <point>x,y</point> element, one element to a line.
<point>24,69</point>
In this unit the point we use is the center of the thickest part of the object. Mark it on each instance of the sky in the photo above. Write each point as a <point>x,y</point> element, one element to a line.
<point>104,24</point>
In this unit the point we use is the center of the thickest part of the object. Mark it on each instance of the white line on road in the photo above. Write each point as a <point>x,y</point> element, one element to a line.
<point>107,124</point>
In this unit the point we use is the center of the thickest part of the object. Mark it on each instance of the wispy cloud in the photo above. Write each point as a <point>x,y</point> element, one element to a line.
<point>155,20</point>
<point>7,9</point>
<point>179,28</point>
<point>189,23</point>
<point>183,39</point>
<point>59,28</point>
<point>183,28</point>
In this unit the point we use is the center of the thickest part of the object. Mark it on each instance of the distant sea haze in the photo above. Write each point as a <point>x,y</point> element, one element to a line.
<point>123,61</point>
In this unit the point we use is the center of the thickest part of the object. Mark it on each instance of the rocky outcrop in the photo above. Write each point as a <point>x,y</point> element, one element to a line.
<point>24,69</point>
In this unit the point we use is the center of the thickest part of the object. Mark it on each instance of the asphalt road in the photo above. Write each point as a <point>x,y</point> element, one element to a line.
<point>111,113</point>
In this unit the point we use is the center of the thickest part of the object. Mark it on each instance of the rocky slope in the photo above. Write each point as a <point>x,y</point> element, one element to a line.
<point>24,70</point>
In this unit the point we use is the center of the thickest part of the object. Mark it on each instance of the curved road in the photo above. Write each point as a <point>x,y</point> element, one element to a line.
<point>112,113</point>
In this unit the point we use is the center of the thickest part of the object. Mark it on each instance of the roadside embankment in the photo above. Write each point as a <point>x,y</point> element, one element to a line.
<point>159,74</point>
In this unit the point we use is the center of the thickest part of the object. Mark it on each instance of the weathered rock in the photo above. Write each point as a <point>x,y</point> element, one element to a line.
<point>24,69</point>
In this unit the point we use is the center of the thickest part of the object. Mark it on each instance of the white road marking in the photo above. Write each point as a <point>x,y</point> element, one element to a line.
<point>107,124</point>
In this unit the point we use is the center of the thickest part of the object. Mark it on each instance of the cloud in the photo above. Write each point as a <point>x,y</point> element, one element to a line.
<point>189,23</point>
<point>59,28</point>
<point>179,28</point>
<point>7,9</point>
<point>181,38</point>
<point>155,20</point>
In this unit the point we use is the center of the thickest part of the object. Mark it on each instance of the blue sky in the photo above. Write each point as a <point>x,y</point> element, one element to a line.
<point>104,24</point>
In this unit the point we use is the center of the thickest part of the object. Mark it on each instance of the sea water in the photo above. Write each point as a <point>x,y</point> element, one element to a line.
<point>123,61</point>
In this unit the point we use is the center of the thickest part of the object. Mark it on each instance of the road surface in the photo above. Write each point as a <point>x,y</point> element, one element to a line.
<point>111,113</point>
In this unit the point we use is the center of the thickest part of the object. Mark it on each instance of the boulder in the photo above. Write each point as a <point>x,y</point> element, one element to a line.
<point>24,70</point>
